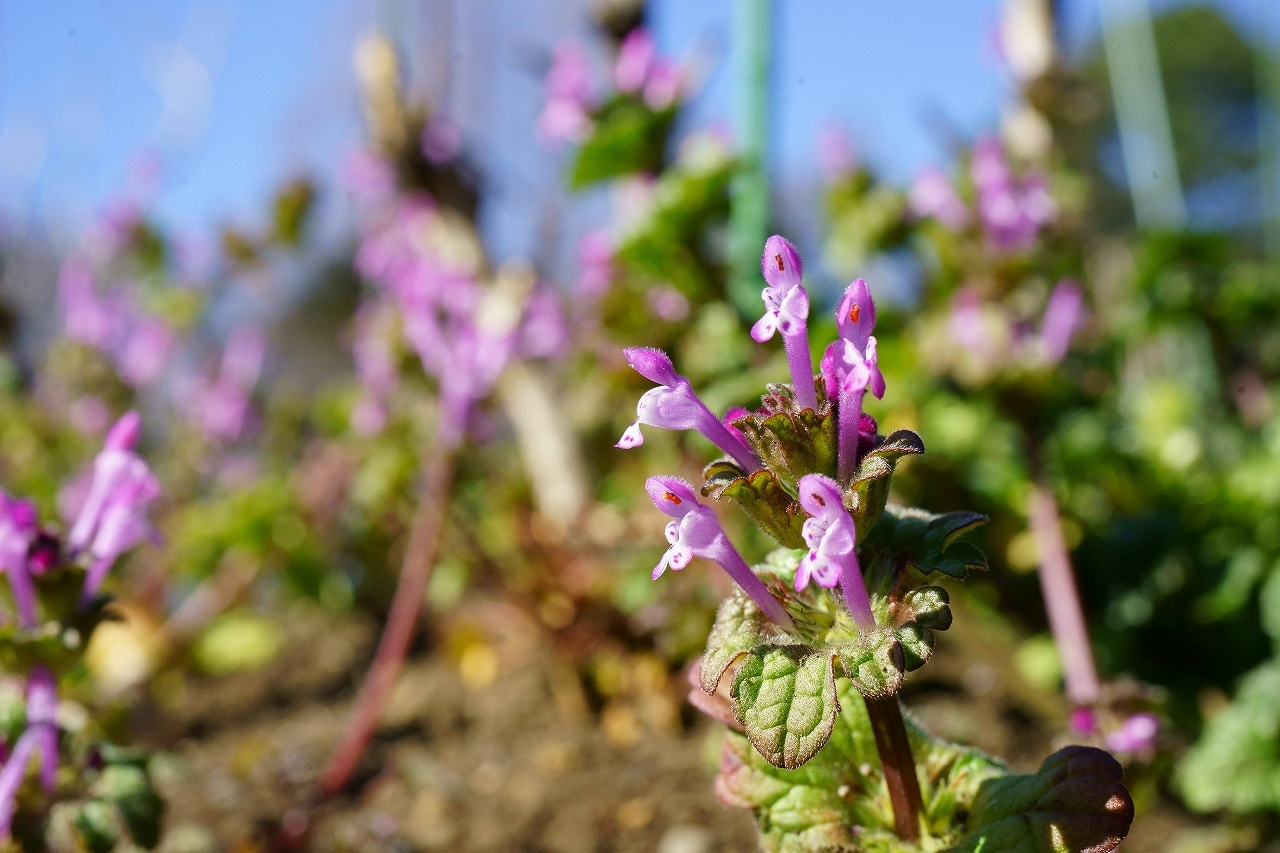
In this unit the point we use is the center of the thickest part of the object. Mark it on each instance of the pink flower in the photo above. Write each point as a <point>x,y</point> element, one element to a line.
<point>636,55</point>
<point>696,532</point>
<point>786,309</point>
<point>1061,317</point>
<point>40,734</point>
<point>113,518</point>
<point>145,352</point>
<point>674,405</point>
<point>1137,734</point>
<point>18,529</point>
<point>569,96</point>
<point>831,536</point>
<point>932,195</point>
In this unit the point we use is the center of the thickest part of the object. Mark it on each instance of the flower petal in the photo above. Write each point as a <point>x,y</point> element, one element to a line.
<point>632,437</point>
<point>673,495</point>
<point>780,263</point>
<point>820,496</point>
<point>764,328</point>
<point>653,364</point>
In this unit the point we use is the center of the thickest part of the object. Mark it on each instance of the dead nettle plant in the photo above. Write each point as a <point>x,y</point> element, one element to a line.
<point>808,653</point>
<point>64,785</point>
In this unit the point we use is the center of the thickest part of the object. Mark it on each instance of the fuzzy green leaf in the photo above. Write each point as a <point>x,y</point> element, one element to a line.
<point>870,485</point>
<point>740,626</point>
<point>875,663</point>
<point>1075,803</point>
<point>816,807</point>
<point>786,700</point>
<point>763,498</point>
<point>922,612</point>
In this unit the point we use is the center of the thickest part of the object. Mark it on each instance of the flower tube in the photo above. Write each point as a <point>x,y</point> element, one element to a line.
<point>695,531</point>
<point>786,305</point>
<point>674,405</point>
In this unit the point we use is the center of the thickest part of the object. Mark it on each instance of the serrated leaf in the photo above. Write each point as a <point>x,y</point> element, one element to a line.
<point>875,664</point>
<point>763,498</point>
<point>907,538</point>
<point>922,612</point>
<point>1075,803</point>
<point>875,472</point>
<point>740,626</point>
<point>786,700</point>
<point>841,791</point>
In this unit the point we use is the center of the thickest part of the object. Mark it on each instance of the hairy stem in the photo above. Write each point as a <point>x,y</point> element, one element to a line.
<point>897,763</point>
<point>1062,599</point>
<point>424,538</point>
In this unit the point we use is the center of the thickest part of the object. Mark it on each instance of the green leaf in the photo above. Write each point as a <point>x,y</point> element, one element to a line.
<point>763,498</point>
<point>128,787</point>
<point>786,701</point>
<point>816,807</point>
<point>907,538</point>
<point>874,662</point>
<point>922,612</point>
<point>628,137</point>
<point>740,626</point>
<point>1236,763</point>
<point>871,483</point>
<point>1075,803</point>
<point>95,821</point>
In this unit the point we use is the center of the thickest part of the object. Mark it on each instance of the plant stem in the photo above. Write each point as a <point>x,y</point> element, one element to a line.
<point>424,538</point>
<point>897,763</point>
<point>1062,599</point>
<point>749,192</point>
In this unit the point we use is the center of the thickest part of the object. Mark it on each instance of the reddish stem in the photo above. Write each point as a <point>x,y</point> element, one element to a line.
<point>1062,599</point>
<point>898,764</point>
<point>424,538</point>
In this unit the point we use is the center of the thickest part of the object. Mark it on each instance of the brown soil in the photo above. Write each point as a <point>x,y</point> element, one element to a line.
<point>493,742</point>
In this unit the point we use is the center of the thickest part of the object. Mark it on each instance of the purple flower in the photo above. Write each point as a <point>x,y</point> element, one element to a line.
<point>225,403</point>
<point>666,303</point>
<point>932,195</point>
<point>674,405</point>
<point>1061,317</point>
<point>86,318</point>
<point>1012,211</point>
<point>441,140</point>
<point>850,367</point>
<point>145,352</point>
<point>113,518</point>
<point>786,305</point>
<point>18,529</point>
<point>831,536</point>
<point>662,89</point>
<point>595,264</point>
<point>1137,734</point>
<point>367,176</point>
<point>1083,721</point>
<point>696,532</point>
<point>566,113</point>
<point>40,735</point>
<point>636,55</point>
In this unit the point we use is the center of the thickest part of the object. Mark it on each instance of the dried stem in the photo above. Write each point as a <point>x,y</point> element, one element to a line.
<point>424,538</point>
<point>1062,599</point>
<point>898,765</point>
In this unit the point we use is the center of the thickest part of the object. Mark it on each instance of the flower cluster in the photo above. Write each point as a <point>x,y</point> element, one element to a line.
<point>638,73</point>
<point>990,337</point>
<point>849,369</point>
<point>108,518</point>
<point>427,267</point>
<point>1012,210</point>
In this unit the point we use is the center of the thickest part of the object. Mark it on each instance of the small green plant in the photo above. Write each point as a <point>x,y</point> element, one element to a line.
<point>806,657</point>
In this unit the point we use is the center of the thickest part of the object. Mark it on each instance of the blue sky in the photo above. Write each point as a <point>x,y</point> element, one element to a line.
<point>236,95</point>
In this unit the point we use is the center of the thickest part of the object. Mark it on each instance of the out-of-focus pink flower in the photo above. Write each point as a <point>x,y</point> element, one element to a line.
<point>636,55</point>
<point>1136,735</point>
<point>113,518</point>
<point>374,353</point>
<point>836,157</point>
<point>569,96</point>
<point>88,414</point>
<point>1013,211</point>
<point>1061,318</point>
<point>40,735</point>
<point>932,195</point>
<point>224,405</point>
<point>595,264</point>
<point>544,331</point>
<point>664,86</point>
<point>85,317</point>
<point>367,176</point>
<point>144,352</point>
<point>667,303</point>
<point>18,529</point>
